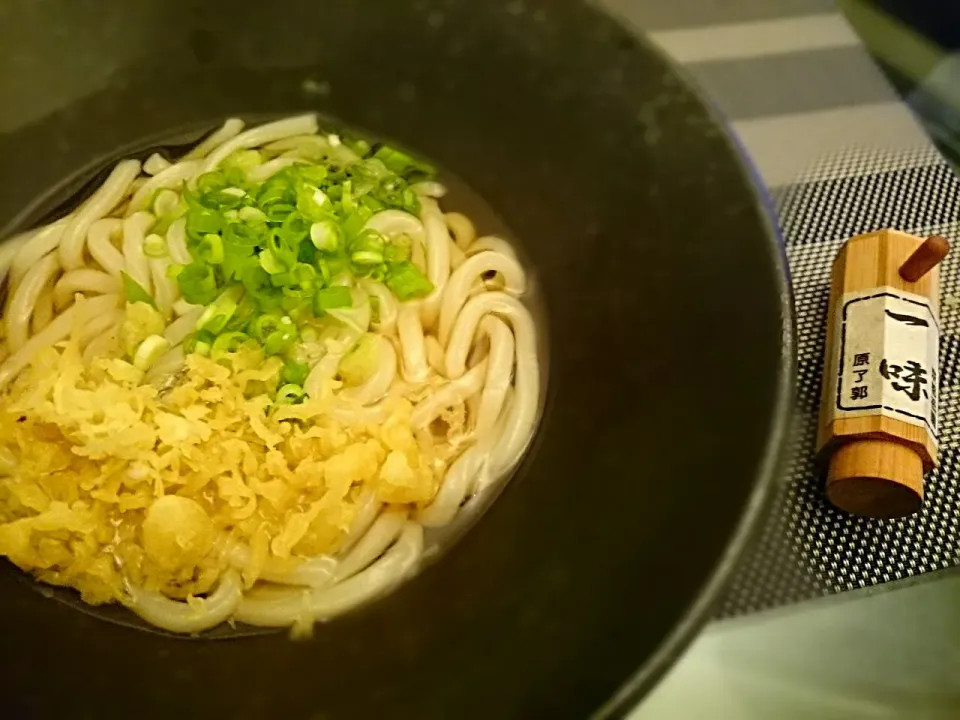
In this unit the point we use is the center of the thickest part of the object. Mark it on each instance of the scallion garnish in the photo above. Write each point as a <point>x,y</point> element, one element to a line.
<point>290,394</point>
<point>210,249</point>
<point>407,282</point>
<point>295,372</point>
<point>270,256</point>
<point>325,235</point>
<point>154,246</point>
<point>134,291</point>
<point>332,298</point>
<point>228,342</point>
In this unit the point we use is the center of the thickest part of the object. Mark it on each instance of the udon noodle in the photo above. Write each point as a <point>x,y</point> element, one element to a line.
<point>237,386</point>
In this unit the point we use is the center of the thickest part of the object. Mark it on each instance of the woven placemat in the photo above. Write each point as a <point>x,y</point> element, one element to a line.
<point>807,547</point>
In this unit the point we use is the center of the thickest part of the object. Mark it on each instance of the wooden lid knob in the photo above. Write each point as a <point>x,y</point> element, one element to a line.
<point>876,478</point>
<point>927,256</point>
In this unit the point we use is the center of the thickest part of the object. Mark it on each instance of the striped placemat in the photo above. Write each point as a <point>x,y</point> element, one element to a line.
<point>842,154</point>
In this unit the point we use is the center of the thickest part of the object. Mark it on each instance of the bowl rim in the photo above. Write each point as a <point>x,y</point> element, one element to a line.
<point>747,530</point>
<point>749,524</point>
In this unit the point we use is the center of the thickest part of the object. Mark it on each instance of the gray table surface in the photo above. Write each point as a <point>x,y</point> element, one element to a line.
<point>863,655</point>
<point>792,75</point>
<point>798,85</point>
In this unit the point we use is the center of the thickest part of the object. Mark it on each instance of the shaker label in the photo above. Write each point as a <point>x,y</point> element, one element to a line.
<point>886,358</point>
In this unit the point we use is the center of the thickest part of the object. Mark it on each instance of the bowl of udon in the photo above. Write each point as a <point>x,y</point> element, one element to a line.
<point>370,360</point>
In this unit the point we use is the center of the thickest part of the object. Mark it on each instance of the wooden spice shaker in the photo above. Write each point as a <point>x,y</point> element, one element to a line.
<point>878,412</point>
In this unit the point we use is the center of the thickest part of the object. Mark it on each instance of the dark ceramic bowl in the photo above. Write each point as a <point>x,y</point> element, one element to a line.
<point>666,308</point>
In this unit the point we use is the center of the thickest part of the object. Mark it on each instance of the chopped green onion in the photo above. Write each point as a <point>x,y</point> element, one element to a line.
<point>246,310</point>
<point>295,372</point>
<point>372,169</point>
<point>198,284</point>
<point>257,282</point>
<point>290,394</point>
<point>216,316</point>
<point>165,202</point>
<point>243,160</point>
<point>262,326</point>
<point>372,204</point>
<point>237,261</point>
<point>165,221</point>
<point>202,221</point>
<point>226,199</point>
<point>404,165</point>
<point>332,298</point>
<point>359,146</point>
<point>235,177</point>
<point>245,234</point>
<point>325,235</point>
<point>135,292</point>
<point>155,246</point>
<point>398,250</point>
<point>271,263</point>
<point>346,197</point>
<point>410,202</point>
<point>338,265</point>
<point>280,340</point>
<point>210,249</point>
<point>305,275</point>
<point>294,229</point>
<point>367,249</point>
<point>297,305</point>
<point>323,266</point>
<point>407,282</point>
<point>199,342</point>
<point>228,342</point>
<point>283,248</point>
<point>281,279</point>
<point>258,277</point>
<point>252,215</point>
<point>366,257</point>
<point>211,182</point>
<point>369,240</point>
<point>312,174</point>
<point>149,351</point>
<point>307,253</point>
<point>378,273</point>
<point>278,212</point>
<point>353,224</point>
<point>277,189</point>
